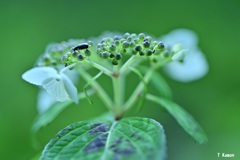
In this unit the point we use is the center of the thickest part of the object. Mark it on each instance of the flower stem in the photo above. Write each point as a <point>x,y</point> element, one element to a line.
<point>68,67</point>
<point>100,91</point>
<point>126,65</point>
<point>117,92</point>
<point>101,68</point>
<point>138,90</point>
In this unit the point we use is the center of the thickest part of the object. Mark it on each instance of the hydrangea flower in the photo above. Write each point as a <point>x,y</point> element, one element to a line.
<point>57,84</point>
<point>195,65</point>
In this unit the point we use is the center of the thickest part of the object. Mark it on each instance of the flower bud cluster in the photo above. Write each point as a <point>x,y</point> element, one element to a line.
<point>118,47</point>
<point>66,53</point>
<point>77,53</point>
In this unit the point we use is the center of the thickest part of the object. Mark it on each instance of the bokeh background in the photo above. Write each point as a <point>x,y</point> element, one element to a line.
<point>28,26</point>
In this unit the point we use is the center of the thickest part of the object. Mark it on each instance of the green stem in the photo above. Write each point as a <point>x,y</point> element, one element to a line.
<point>117,91</point>
<point>137,91</point>
<point>101,92</point>
<point>125,66</point>
<point>68,67</point>
<point>101,68</point>
<point>152,98</point>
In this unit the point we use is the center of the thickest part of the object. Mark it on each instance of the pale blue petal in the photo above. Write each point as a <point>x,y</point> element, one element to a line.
<point>55,87</point>
<point>38,75</point>
<point>192,68</point>
<point>44,101</point>
<point>70,88</point>
<point>186,37</point>
<point>195,65</point>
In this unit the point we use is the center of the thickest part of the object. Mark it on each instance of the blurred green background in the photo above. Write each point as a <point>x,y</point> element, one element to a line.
<point>28,26</point>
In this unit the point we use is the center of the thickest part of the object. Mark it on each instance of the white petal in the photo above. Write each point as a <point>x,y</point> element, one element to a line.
<point>38,75</point>
<point>55,88</point>
<point>184,36</point>
<point>72,75</point>
<point>195,64</point>
<point>44,101</point>
<point>192,68</point>
<point>70,88</point>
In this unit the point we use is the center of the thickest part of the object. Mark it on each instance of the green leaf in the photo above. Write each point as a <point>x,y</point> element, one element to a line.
<point>129,138</point>
<point>185,120</point>
<point>48,116</point>
<point>159,83</point>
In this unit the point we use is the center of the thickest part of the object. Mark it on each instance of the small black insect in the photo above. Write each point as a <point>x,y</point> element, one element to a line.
<point>80,47</point>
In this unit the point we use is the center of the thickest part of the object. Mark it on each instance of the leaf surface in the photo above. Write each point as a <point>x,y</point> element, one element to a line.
<point>159,83</point>
<point>129,138</point>
<point>49,115</point>
<point>184,119</point>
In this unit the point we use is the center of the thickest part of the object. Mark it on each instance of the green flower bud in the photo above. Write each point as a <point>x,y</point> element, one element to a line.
<point>117,42</point>
<point>141,36</point>
<point>112,47</point>
<point>154,43</point>
<point>138,48</point>
<point>118,56</point>
<point>116,38</point>
<point>111,55</point>
<point>74,53</point>
<point>122,40</point>
<point>180,55</point>
<point>64,58</point>
<point>148,38</point>
<point>108,40</point>
<point>149,52</point>
<point>141,53</point>
<point>87,52</point>
<point>132,44</point>
<point>99,50</point>
<point>103,40</point>
<point>99,45</point>
<point>146,44</point>
<point>126,44</point>
<point>177,47</point>
<point>134,52</point>
<point>114,62</point>
<point>129,39</point>
<point>160,45</point>
<point>90,43</point>
<point>46,58</point>
<point>134,35</point>
<point>105,55</point>
<point>126,35</point>
<point>104,48</point>
<point>80,57</point>
<point>136,40</point>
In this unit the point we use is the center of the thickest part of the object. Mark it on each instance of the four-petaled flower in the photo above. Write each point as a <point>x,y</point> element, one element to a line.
<point>57,84</point>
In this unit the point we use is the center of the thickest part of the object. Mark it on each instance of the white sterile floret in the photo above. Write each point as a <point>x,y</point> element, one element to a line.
<point>194,65</point>
<point>58,85</point>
